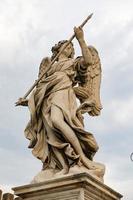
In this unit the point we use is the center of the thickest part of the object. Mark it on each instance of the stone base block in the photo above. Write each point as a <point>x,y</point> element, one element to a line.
<point>80,186</point>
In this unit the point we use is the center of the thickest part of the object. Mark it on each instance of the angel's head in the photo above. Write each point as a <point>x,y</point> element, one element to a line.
<point>68,51</point>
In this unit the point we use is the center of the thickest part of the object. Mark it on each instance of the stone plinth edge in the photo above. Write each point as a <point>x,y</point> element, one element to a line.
<point>80,186</point>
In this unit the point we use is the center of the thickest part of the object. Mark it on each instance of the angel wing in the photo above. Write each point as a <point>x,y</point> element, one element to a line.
<point>89,78</point>
<point>44,67</point>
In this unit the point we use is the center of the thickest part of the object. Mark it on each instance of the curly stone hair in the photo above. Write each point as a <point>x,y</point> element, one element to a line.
<point>56,48</point>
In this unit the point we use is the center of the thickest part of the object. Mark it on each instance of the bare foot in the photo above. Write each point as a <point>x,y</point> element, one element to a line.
<point>88,163</point>
<point>98,168</point>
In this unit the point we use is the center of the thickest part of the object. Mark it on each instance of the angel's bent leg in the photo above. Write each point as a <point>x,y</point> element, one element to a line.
<point>68,133</point>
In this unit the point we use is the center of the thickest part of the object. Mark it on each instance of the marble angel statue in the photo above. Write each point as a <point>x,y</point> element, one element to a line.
<point>56,128</point>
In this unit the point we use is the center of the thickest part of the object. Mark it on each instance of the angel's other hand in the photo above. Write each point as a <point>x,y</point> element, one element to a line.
<point>22,102</point>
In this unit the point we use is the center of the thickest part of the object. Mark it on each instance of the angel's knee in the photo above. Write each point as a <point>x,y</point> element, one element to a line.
<point>56,117</point>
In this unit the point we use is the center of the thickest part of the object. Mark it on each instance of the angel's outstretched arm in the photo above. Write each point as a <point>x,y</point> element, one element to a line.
<point>84,48</point>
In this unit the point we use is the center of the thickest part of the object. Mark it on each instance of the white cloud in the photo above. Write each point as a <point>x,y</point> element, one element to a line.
<point>123,112</point>
<point>17,168</point>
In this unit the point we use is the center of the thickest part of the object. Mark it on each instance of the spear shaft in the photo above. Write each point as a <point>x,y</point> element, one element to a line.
<point>56,57</point>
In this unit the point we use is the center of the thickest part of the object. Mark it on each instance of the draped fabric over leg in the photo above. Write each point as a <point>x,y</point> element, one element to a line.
<point>56,89</point>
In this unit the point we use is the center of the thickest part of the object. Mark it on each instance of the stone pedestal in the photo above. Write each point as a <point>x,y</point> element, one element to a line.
<point>80,186</point>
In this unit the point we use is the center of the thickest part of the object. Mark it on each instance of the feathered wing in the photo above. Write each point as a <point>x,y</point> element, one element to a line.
<point>89,78</point>
<point>44,67</point>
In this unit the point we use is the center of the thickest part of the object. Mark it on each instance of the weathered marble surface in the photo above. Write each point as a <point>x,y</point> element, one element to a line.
<point>80,186</point>
<point>56,126</point>
<point>49,174</point>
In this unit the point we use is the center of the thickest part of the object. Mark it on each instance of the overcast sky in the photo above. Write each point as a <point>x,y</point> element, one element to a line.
<point>28,30</point>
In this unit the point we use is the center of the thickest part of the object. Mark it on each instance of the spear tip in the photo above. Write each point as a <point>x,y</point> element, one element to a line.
<point>91,14</point>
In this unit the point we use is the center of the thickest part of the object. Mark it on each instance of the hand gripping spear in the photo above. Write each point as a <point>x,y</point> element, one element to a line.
<point>67,43</point>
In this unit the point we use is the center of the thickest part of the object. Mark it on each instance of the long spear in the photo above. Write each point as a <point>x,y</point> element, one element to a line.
<point>56,57</point>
